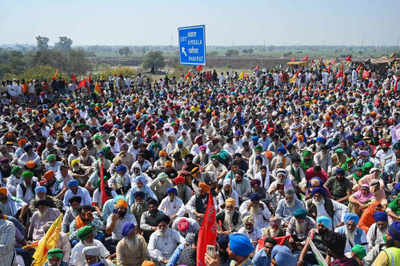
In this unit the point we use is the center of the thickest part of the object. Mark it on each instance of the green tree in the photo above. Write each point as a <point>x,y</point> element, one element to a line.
<point>41,73</point>
<point>12,62</point>
<point>78,62</point>
<point>231,52</point>
<point>53,58</point>
<point>124,51</point>
<point>154,60</point>
<point>42,43</point>
<point>64,44</point>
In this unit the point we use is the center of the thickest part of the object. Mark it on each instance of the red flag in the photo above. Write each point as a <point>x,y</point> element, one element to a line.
<point>199,68</point>
<point>333,61</point>
<point>358,68</point>
<point>348,58</point>
<point>104,196</point>
<point>293,59</point>
<point>395,85</point>
<point>257,68</point>
<point>82,83</point>
<point>339,74</point>
<point>305,59</point>
<point>279,239</point>
<point>208,231</point>
<point>73,78</point>
<point>187,75</point>
<point>90,78</point>
<point>370,83</point>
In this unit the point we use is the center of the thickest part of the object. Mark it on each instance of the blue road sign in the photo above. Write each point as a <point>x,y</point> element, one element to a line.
<point>192,45</point>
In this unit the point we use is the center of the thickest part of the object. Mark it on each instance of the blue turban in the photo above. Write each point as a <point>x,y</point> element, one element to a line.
<point>340,171</point>
<point>300,213</point>
<point>98,264</point>
<point>380,216</point>
<point>100,152</point>
<point>397,187</point>
<point>121,168</point>
<point>254,138</point>
<point>319,190</point>
<point>127,228</point>
<point>282,150</point>
<point>73,183</point>
<point>240,245</point>
<point>283,256</point>
<point>27,146</point>
<point>321,139</point>
<point>172,190</point>
<point>141,179</point>
<point>39,189</point>
<point>180,142</point>
<point>325,221</point>
<point>394,231</point>
<point>351,217</point>
<point>254,197</point>
<point>360,143</point>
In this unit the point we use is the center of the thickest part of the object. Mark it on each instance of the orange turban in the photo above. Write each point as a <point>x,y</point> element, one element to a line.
<point>49,174</point>
<point>168,164</point>
<point>3,191</point>
<point>22,141</point>
<point>148,263</point>
<point>121,204</point>
<point>162,153</point>
<point>204,187</point>
<point>30,164</point>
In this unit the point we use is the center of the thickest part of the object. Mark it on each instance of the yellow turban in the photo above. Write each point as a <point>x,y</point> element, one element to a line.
<point>75,162</point>
<point>230,202</point>
<point>148,263</point>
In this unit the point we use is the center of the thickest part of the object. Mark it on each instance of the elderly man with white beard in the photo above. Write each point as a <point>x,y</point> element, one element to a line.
<point>257,209</point>
<point>228,219</point>
<point>42,216</point>
<point>163,241</point>
<point>377,231</point>
<point>275,228</point>
<point>354,235</point>
<point>288,205</point>
<point>132,249</point>
<point>300,224</point>
<point>248,230</point>
<point>227,192</point>
<point>320,205</point>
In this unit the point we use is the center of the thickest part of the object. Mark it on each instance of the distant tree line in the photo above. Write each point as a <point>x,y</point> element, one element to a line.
<point>61,58</point>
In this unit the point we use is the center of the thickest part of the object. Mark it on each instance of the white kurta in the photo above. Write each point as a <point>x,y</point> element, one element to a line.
<point>170,207</point>
<point>161,247</point>
<point>77,256</point>
<point>7,241</point>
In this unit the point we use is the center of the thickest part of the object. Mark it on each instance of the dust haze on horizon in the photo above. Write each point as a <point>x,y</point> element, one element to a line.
<point>228,23</point>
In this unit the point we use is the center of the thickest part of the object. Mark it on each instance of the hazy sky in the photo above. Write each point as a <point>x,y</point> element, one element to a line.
<point>233,22</point>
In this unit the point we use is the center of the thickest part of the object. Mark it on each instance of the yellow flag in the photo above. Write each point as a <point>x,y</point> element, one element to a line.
<point>49,241</point>
<point>293,79</point>
<point>241,76</point>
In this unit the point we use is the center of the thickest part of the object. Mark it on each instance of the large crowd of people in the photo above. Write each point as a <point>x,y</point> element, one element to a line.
<point>302,164</point>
